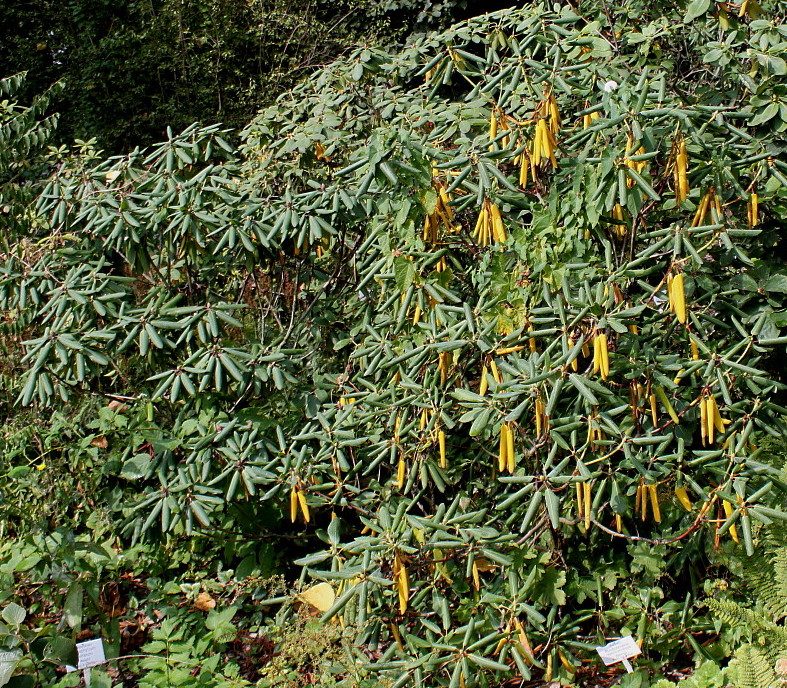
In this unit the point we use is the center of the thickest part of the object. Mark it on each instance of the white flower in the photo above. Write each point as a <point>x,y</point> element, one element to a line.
<point>610,86</point>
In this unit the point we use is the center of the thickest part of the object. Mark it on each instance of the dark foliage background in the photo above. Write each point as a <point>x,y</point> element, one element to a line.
<point>133,68</point>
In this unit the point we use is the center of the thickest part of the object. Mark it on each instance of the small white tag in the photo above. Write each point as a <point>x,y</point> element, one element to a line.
<point>619,651</point>
<point>89,654</point>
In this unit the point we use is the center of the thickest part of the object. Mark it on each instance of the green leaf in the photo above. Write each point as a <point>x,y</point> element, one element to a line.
<point>8,662</point>
<point>696,9</point>
<point>136,467</point>
<point>765,115</point>
<point>404,271</point>
<point>61,650</point>
<point>480,423</point>
<point>14,614</point>
<point>220,618</point>
<point>776,65</point>
<point>583,389</point>
<point>485,663</point>
<point>466,395</point>
<point>72,608</point>
<point>100,679</point>
<point>429,200</point>
<point>776,283</point>
<point>549,588</point>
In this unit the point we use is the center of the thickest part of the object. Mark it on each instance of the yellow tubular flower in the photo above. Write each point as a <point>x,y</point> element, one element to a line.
<point>683,498</point>
<point>540,418</point>
<point>293,504</point>
<point>304,506</point>
<point>678,294</point>
<point>754,203</point>
<point>535,152</point>
<point>733,528</point>
<point>703,421</point>
<point>498,229</point>
<point>554,114</point>
<point>654,502</point>
<point>510,455</point>
<point>709,417</point>
<point>524,163</point>
<point>401,473</point>
<point>402,583</point>
<point>495,372</point>
<point>680,168</point>
<point>492,129</point>
<point>604,357</point>
<point>588,503</point>
<point>502,457</point>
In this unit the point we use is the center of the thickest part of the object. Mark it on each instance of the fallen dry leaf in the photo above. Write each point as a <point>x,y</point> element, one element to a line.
<point>204,602</point>
<point>320,596</point>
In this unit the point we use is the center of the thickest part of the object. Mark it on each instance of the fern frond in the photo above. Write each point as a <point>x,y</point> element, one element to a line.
<point>753,669</point>
<point>779,604</point>
<point>743,618</point>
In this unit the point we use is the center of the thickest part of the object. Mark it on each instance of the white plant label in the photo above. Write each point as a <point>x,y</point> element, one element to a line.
<point>89,654</point>
<point>619,651</point>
